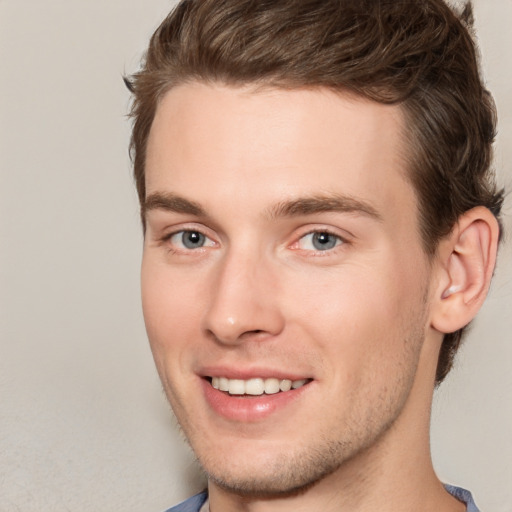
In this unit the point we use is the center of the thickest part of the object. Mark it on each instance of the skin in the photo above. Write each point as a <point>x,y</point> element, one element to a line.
<point>258,296</point>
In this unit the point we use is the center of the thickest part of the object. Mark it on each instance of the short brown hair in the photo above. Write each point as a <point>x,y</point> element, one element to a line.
<point>416,53</point>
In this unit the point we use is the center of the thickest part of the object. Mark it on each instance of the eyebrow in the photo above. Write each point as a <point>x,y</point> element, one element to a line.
<point>171,203</point>
<point>308,205</point>
<point>323,203</point>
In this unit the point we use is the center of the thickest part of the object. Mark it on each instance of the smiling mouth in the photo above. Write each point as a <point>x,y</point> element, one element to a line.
<point>256,386</point>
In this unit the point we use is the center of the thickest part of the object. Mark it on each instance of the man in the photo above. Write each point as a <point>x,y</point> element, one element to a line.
<point>320,225</point>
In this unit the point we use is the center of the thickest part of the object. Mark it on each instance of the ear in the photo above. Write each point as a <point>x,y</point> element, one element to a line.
<point>466,260</point>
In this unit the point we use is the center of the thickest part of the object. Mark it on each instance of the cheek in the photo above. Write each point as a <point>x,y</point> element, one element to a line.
<point>359,315</point>
<point>170,308</point>
<point>171,315</point>
<point>344,300</point>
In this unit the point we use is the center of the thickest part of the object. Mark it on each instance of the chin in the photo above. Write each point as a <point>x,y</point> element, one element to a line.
<point>268,485</point>
<point>275,475</point>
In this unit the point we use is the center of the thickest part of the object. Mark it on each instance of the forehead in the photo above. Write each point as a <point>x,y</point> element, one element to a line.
<point>244,147</point>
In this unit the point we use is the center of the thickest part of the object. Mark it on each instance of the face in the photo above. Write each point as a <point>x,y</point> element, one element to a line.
<point>284,284</point>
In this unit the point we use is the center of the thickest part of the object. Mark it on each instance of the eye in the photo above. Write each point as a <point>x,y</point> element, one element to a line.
<point>319,241</point>
<point>190,240</point>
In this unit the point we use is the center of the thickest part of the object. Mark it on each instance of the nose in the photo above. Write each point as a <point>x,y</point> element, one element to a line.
<point>243,301</point>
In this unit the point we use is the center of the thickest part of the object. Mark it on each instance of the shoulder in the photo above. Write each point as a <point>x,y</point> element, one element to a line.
<point>464,496</point>
<point>193,504</point>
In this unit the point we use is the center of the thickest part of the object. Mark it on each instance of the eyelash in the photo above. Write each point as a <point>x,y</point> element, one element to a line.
<point>340,241</point>
<point>166,239</point>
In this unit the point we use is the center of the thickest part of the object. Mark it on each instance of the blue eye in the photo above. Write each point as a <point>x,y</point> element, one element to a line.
<point>190,240</point>
<point>319,241</point>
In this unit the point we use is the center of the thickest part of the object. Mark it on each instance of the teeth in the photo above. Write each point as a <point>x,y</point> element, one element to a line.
<point>253,387</point>
<point>256,386</point>
<point>223,384</point>
<point>236,387</point>
<point>285,385</point>
<point>271,386</point>
<point>298,383</point>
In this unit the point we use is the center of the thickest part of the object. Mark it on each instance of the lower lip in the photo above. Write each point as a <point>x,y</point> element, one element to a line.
<point>248,409</point>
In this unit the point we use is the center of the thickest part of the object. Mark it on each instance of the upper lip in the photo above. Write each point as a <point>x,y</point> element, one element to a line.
<point>250,373</point>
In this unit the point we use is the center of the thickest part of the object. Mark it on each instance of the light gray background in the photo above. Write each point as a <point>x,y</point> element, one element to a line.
<point>83,423</point>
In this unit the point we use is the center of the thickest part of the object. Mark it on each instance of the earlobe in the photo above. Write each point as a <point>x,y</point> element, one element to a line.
<point>467,259</point>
